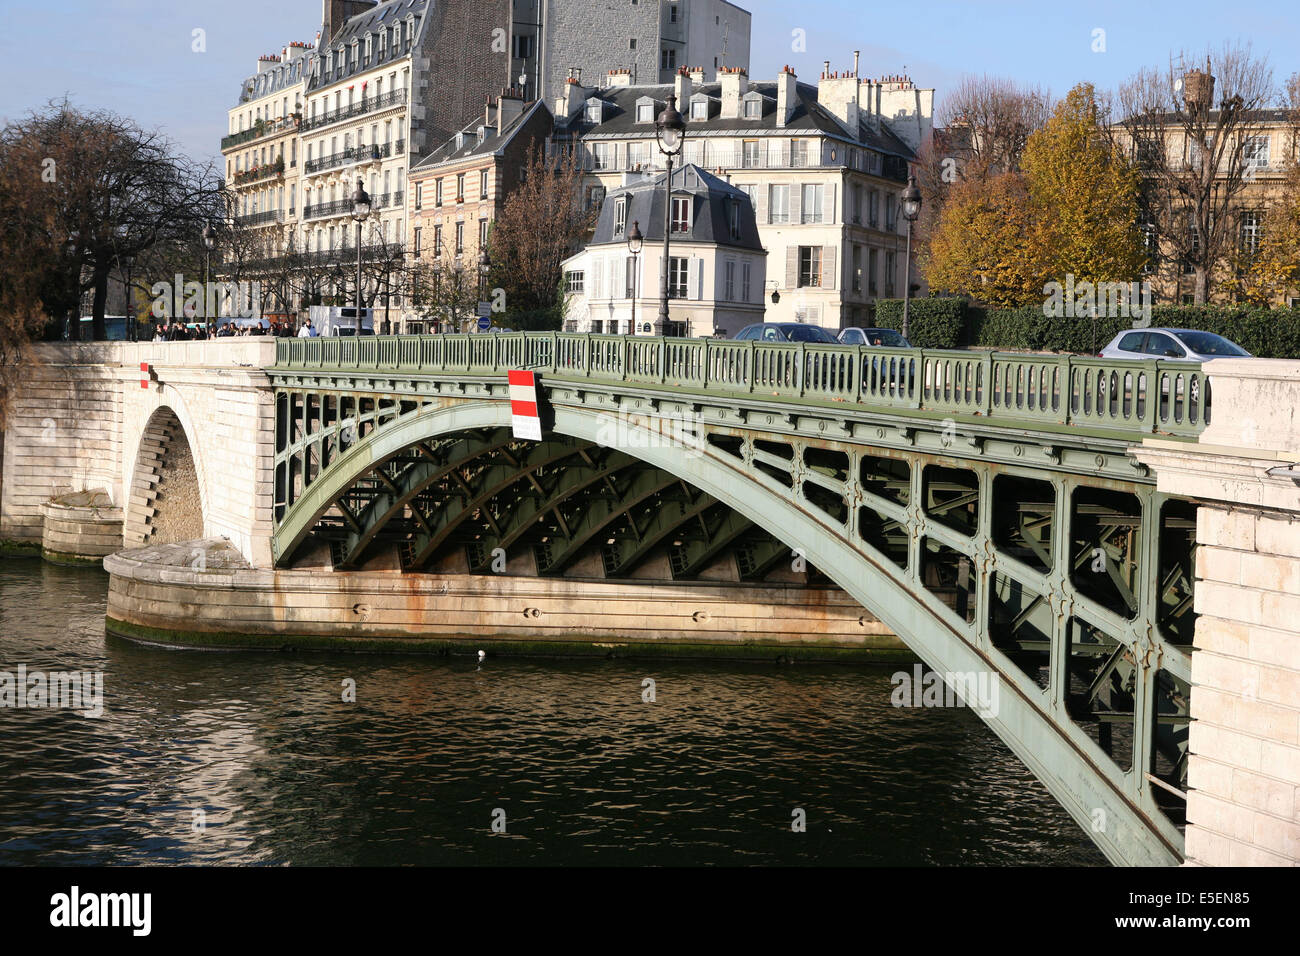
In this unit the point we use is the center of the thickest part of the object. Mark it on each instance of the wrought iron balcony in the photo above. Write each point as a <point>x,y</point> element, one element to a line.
<point>368,104</point>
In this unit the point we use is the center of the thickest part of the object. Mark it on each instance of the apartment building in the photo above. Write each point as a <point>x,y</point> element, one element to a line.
<point>824,168</point>
<point>650,39</point>
<point>459,189</point>
<point>717,268</point>
<point>260,150</point>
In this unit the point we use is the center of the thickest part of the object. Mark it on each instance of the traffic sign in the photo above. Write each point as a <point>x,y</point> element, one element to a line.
<point>484,323</point>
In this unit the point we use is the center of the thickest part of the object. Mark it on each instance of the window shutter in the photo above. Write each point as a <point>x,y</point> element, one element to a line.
<point>791,267</point>
<point>595,279</point>
<point>828,214</point>
<point>614,291</point>
<point>796,202</point>
<point>760,204</point>
<point>829,274</point>
<point>696,289</point>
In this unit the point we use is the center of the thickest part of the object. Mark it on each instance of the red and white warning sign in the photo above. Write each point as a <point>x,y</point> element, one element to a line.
<point>524,420</point>
<point>144,374</point>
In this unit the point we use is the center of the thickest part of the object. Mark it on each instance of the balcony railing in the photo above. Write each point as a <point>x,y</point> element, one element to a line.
<point>730,155</point>
<point>353,154</point>
<point>261,218</point>
<point>368,104</point>
<point>259,173</point>
<point>343,207</point>
<point>259,129</point>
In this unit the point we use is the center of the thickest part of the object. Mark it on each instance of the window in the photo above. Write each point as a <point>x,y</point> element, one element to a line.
<point>595,112</point>
<point>672,13</point>
<point>752,192</point>
<point>638,155</point>
<point>437,241</point>
<point>857,204</point>
<point>778,206</point>
<point>754,109</point>
<point>1254,153</point>
<point>798,152</point>
<point>482,234</point>
<point>595,196</point>
<point>1151,244</point>
<point>620,217</point>
<point>810,266</point>
<point>733,218</point>
<point>751,154</point>
<point>891,213</point>
<point>645,113</point>
<point>890,263</point>
<point>811,210</point>
<point>873,260</point>
<point>523,47</point>
<point>437,192</point>
<point>460,187</point>
<point>1163,346</point>
<point>602,156</point>
<point>1250,225</point>
<point>419,195</point>
<point>678,274</point>
<point>744,280</point>
<point>873,209</point>
<point>483,185</point>
<point>700,110</point>
<point>729,280</point>
<point>631,44</point>
<point>418,231</point>
<point>667,59</point>
<point>681,213</point>
<point>857,268</point>
<point>460,238</point>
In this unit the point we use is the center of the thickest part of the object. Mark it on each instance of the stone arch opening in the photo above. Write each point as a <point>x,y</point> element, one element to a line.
<point>165,503</point>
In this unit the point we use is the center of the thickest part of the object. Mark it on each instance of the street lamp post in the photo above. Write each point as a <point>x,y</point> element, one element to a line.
<point>360,212</point>
<point>74,309</point>
<point>131,330</point>
<point>670,130</point>
<point>209,243</point>
<point>911,209</point>
<point>484,264</point>
<point>634,242</point>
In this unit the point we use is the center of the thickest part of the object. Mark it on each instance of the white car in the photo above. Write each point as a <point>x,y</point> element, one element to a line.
<point>1185,345</point>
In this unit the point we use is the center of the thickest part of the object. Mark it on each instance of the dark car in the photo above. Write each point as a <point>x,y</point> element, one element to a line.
<point>786,332</point>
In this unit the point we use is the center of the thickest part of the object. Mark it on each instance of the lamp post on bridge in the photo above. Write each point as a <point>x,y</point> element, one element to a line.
<point>209,243</point>
<point>911,209</point>
<point>634,242</point>
<point>360,212</point>
<point>670,130</point>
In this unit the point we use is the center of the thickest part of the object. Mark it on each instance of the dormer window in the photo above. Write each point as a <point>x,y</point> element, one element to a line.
<point>460,141</point>
<point>620,218</point>
<point>753,108</point>
<point>595,111</point>
<point>481,133</point>
<point>700,109</point>
<point>681,220</point>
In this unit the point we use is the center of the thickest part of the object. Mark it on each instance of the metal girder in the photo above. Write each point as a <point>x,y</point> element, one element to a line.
<point>693,555</point>
<point>487,484</point>
<point>623,556</point>
<point>600,513</point>
<point>394,499</point>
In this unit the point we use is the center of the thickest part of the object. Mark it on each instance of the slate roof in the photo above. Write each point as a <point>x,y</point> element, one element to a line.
<point>492,141</point>
<point>383,16</point>
<point>809,117</point>
<point>646,206</point>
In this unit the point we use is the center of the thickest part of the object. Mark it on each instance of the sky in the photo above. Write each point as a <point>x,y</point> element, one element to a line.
<point>139,57</point>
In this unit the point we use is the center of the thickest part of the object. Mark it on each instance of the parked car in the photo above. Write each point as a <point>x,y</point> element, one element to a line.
<point>1186,345</point>
<point>786,332</point>
<point>886,338</point>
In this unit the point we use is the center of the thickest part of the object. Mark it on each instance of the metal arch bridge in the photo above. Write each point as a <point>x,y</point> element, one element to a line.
<point>982,505</point>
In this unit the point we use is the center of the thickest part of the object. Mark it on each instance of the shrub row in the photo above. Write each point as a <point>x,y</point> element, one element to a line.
<point>957,323</point>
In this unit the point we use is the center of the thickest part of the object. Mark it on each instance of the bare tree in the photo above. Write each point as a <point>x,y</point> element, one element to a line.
<point>1192,136</point>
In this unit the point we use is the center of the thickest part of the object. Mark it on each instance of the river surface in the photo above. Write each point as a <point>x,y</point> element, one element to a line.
<point>564,756</point>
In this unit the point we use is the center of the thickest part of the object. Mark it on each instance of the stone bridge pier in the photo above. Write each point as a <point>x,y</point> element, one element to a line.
<point>1243,805</point>
<point>100,454</point>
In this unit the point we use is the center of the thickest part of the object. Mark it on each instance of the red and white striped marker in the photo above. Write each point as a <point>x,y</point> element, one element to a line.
<point>524,420</point>
<point>144,374</point>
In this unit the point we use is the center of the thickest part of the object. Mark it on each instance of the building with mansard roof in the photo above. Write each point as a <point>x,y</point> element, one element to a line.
<point>717,267</point>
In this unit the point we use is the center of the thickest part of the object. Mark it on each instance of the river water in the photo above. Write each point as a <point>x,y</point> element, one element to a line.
<point>242,758</point>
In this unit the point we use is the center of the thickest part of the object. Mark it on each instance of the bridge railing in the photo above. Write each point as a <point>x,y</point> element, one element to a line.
<point>1101,394</point>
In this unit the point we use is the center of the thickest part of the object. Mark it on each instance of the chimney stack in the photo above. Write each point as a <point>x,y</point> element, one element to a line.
<point>786,95</point>
<point>618,78</point>
<point>509,107</point>
<point>735,84</point>
<point>683,87</point>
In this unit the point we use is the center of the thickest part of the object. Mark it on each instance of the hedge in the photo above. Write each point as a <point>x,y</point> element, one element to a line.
<point>958,323</point>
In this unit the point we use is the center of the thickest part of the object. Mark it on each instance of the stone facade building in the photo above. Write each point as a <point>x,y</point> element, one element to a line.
<point>456,193</point>
<point>824,167</point>
<point>717,265</point>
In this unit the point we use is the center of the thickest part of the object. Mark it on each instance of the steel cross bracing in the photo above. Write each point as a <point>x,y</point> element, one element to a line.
<point>996,533</point>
